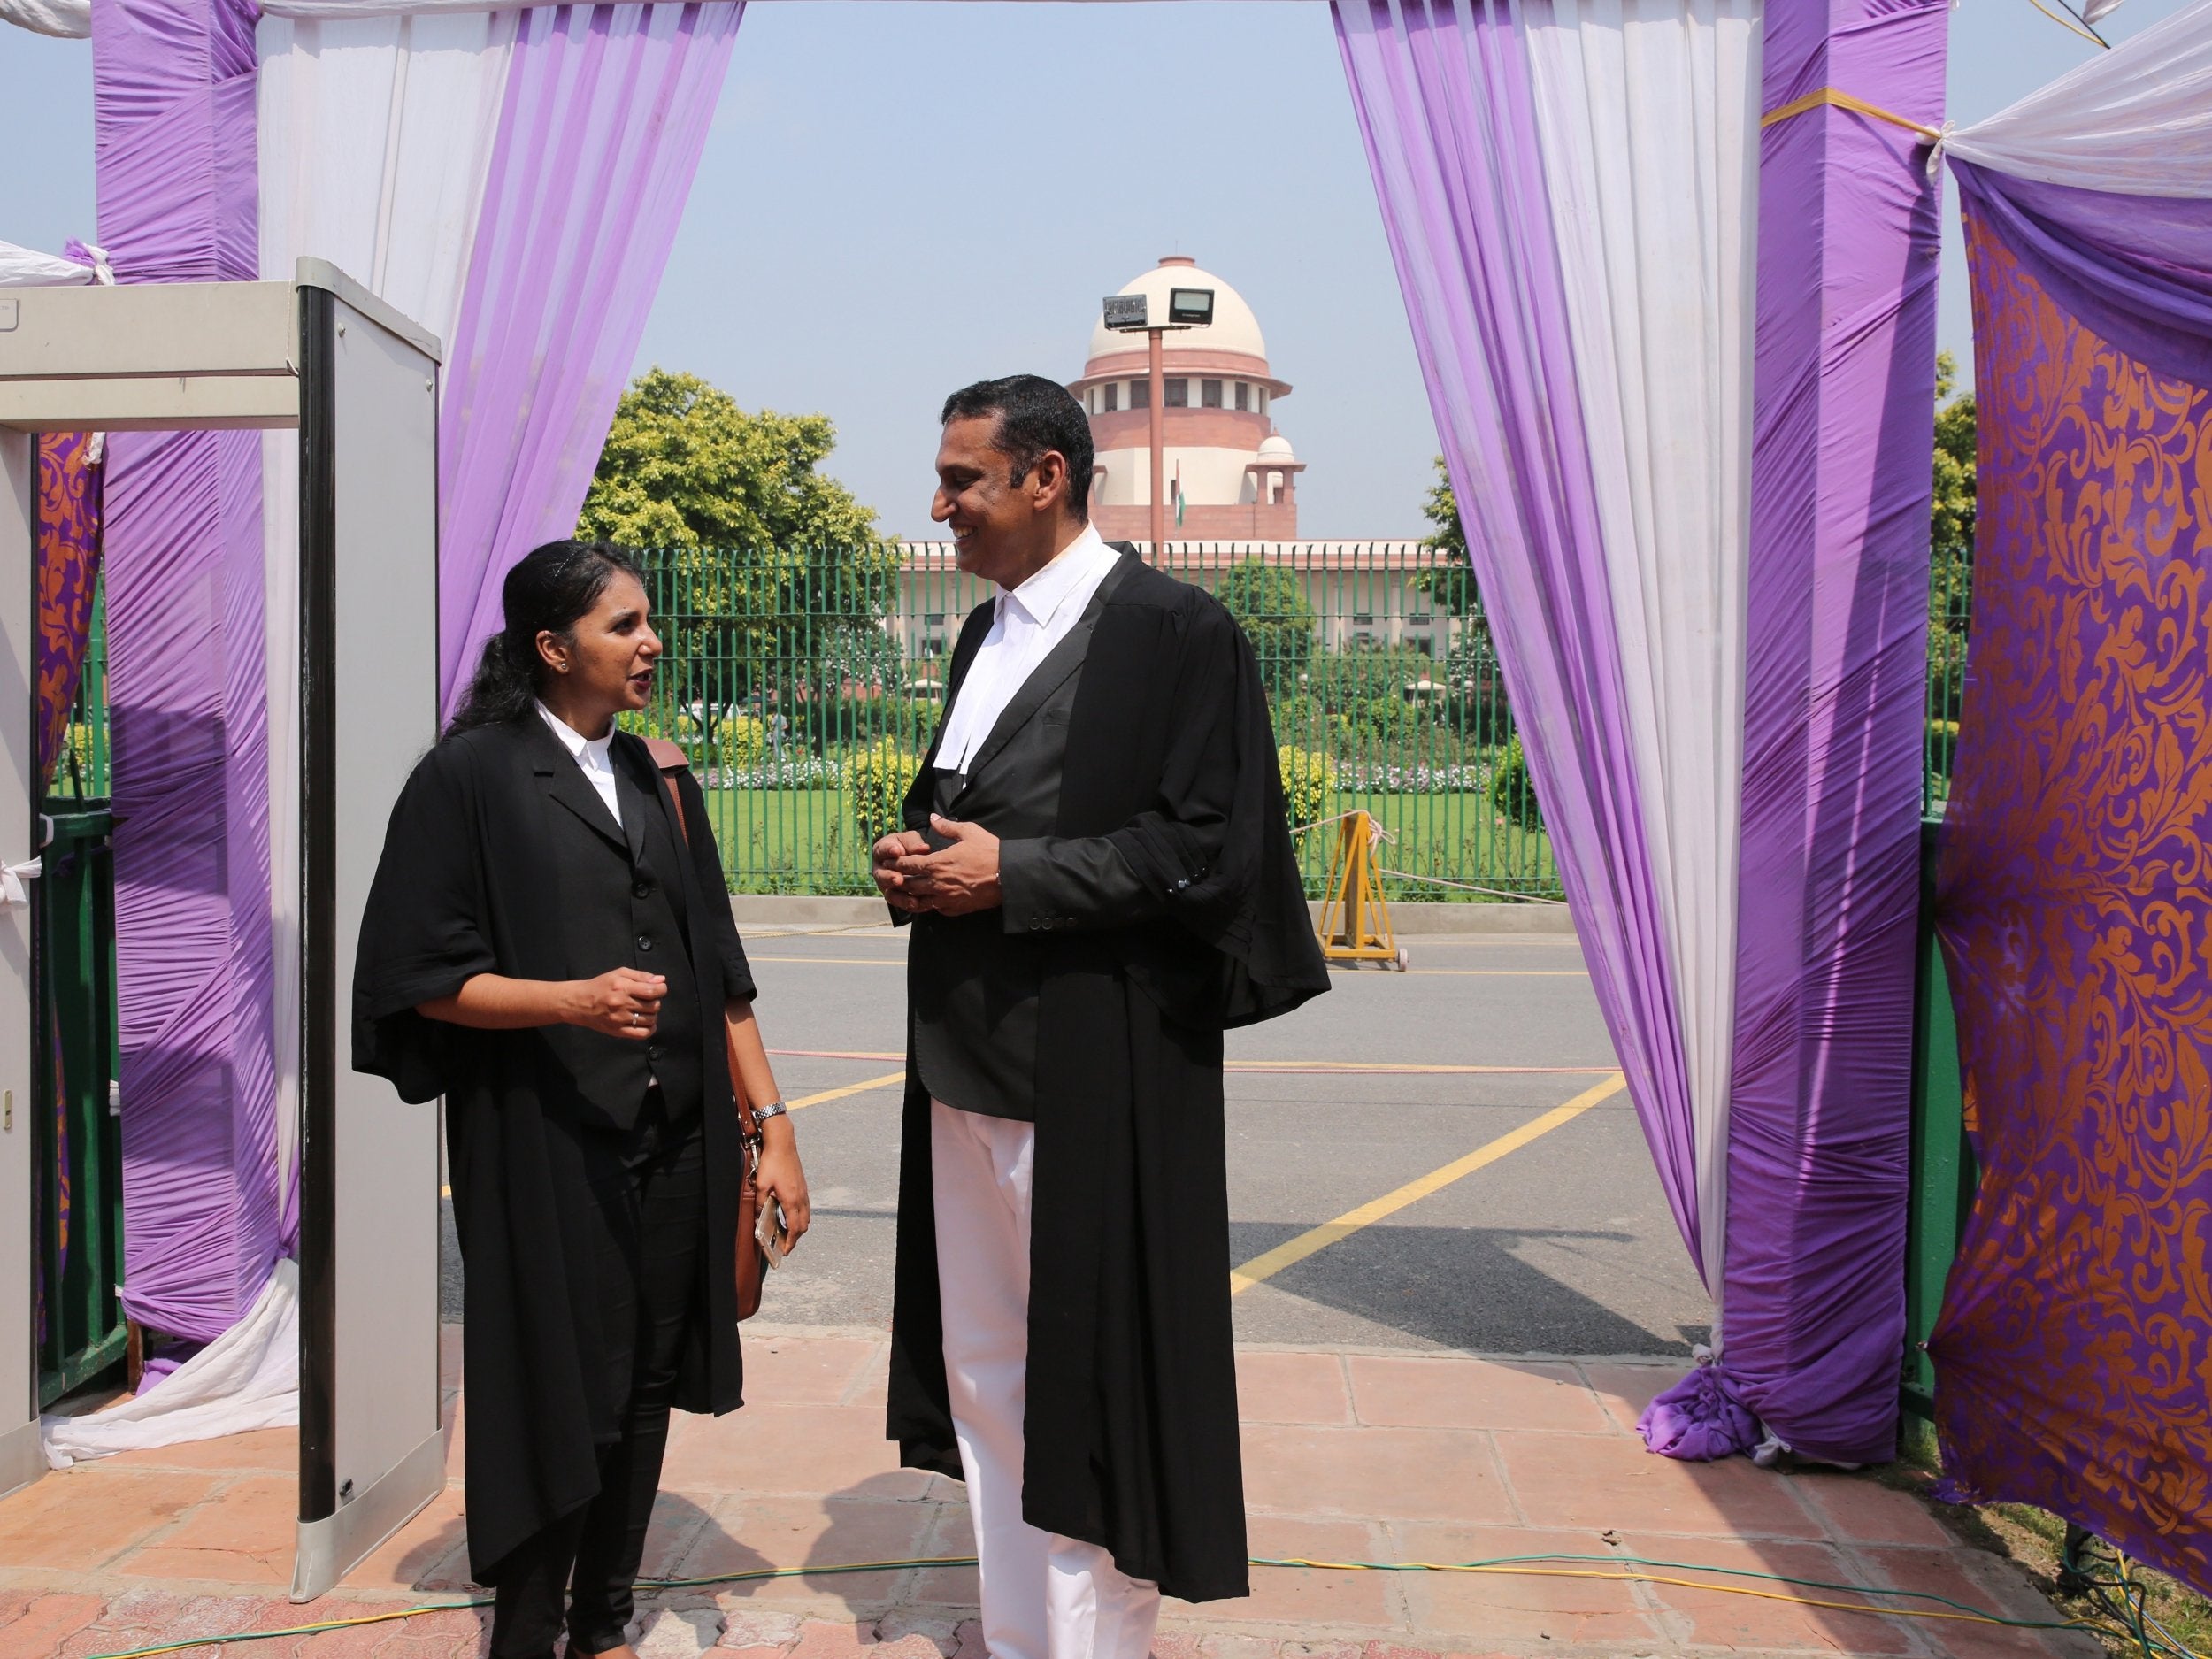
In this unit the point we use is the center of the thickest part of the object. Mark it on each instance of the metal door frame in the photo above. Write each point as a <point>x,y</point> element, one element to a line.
<point>196,357</point>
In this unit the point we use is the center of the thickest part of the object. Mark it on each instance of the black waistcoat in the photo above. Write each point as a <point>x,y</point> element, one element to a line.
<point>972,985</point>
<point>616,911</point>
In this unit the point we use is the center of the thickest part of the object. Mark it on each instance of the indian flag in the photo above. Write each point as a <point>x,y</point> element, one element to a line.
<point>1179,495</point>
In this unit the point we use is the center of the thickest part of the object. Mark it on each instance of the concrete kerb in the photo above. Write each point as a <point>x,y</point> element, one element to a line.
<point>1410,919</point>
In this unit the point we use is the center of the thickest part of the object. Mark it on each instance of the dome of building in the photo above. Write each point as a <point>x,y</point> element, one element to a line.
<point>1224,472</point>
<point>1235,329</point>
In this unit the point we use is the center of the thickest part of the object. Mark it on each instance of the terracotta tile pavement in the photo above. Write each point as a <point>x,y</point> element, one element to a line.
<point>1350,1457</point>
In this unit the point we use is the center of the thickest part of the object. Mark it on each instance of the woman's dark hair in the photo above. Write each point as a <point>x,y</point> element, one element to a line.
<point>550,590</point>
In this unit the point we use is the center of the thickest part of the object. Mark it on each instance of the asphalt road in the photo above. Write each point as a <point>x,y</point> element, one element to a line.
<point>1562,1245</point>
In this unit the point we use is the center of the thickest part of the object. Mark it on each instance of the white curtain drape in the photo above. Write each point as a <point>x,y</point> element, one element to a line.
<point>27,268</point>
<point>69,19</point>
<point>1648,122</point>
<point>2137,121</point>
<point>375,139</point>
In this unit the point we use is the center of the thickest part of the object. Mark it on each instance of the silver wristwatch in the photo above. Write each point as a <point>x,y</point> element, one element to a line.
<point>762,1114</point>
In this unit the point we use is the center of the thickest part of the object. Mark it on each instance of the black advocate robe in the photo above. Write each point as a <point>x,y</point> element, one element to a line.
<point>467,884</point>
<point>1131,1432</point>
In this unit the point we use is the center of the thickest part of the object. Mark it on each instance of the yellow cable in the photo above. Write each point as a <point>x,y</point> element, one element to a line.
<point>1285,1561</point>
<point>1684,1584</point>
<point>2091,35</point>
<point>1843,100</point>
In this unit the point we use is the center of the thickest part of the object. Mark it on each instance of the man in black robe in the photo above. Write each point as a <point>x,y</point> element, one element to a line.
<point>1098,869</point>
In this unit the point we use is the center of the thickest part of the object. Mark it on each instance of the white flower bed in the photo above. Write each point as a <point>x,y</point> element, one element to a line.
<point>1414,779</point>
<point>794,772</point>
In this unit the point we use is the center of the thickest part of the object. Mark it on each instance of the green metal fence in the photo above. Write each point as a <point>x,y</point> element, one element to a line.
<point>1950,608</point>
<point>806,684</point>
<point>83,771</point>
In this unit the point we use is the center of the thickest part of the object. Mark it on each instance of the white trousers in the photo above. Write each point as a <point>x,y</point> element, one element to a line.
<point>1044,1596</point>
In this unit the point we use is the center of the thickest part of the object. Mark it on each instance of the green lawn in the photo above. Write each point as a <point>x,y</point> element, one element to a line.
<point>804,841</point>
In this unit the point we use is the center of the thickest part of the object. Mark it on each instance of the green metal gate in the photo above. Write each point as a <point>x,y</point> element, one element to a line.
<point>77,1130</point>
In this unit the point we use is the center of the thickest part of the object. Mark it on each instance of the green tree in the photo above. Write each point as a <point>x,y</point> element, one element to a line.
<point>685,467</point>
<point>1952,529</point>
<point>1450,582</point>
<point>1270,604</point>
<point>773,583</point>
<point>1477,708</point>
<point>1951,549</point>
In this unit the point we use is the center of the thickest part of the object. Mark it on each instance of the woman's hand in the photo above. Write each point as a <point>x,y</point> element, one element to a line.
<point>621,1003</point>
<point>780,1181</point>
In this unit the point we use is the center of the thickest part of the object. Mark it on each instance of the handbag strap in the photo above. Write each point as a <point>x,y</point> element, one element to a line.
<point>673,763</point>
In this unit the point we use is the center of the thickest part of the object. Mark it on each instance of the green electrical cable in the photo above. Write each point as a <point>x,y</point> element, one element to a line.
<point>1501,1564</point>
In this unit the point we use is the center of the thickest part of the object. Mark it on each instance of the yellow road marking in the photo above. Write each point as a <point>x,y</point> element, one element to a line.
<point>809,1100</point>
<point>829,1094</point>
<point>1318,1239</point>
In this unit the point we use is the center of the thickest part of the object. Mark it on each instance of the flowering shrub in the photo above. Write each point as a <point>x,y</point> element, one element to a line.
<point>1307,776</point>
<point>1513,791</point>
<point>877,779</point>
<point>743,740</point>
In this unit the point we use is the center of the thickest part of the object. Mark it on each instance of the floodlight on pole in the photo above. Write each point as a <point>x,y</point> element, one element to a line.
<point>1132,313</point>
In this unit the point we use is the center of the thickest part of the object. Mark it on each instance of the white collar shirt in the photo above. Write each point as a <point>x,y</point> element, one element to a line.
<point>591,755</point>
<point>1031,621</point>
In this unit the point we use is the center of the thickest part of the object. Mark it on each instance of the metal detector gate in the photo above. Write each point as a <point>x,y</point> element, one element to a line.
<point>359,382</point>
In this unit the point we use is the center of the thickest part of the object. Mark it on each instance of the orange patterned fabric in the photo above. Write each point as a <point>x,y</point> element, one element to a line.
<point>2075,895</point>
<point>68,578</point>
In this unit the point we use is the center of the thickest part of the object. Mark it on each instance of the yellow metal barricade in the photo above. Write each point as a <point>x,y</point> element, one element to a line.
<point>1355,916</point>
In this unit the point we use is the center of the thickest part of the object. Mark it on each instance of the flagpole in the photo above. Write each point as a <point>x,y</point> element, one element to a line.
<point>1159,464</point>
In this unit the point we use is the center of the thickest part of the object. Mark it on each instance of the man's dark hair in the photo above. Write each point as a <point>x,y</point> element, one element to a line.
<point>1034,415</point>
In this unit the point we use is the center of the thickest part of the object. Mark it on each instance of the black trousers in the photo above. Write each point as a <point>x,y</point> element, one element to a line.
<point>646,1227</point>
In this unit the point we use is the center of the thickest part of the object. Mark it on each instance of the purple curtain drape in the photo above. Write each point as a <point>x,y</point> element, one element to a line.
<point>1844,405</point>
<point>1811,1282</point>
<point>173,88</point>
<point>2074,897</point>
<point>606,113</point>
<point>2132,269</point>
<point>1444,105</point>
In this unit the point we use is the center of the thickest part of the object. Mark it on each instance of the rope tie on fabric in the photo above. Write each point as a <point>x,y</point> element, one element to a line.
<point>1836,98</point>
<point>13,894</point>
<point>1842,100</point>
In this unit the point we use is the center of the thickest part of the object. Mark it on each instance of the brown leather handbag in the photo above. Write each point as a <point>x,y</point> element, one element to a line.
<point>752,1264</point>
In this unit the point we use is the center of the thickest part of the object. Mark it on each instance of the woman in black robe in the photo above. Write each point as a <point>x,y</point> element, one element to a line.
<point>549,944</point>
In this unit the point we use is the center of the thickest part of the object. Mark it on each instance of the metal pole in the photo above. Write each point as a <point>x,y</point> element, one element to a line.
<point>1159,463</point>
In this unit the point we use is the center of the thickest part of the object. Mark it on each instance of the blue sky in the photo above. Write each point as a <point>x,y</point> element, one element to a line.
<point>898,198</point>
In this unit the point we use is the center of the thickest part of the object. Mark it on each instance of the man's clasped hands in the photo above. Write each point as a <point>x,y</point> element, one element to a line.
<point>957,880</point>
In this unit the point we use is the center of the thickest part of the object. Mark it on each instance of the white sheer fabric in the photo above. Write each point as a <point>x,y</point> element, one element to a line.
<point>375,138</point>
<point>248,1378</point>
<point>27,268</point>
<point>71,19</point>
<point>1648,113</point>
<point>2136,120</point>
